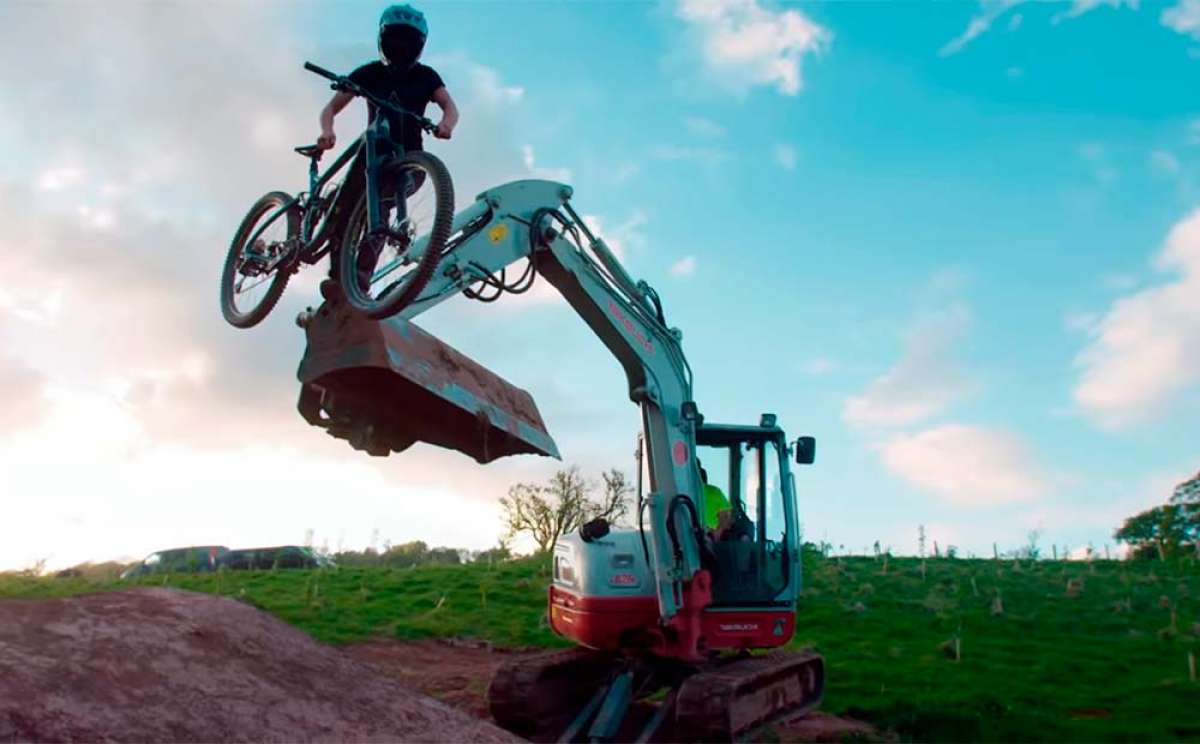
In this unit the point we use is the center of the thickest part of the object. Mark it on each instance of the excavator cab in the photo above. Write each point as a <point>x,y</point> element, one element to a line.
<point>756,557</point>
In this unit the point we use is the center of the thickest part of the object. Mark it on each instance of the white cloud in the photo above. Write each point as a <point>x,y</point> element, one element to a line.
<point>743,44</point>
<point>684,267</point>
<point>702,127</point>
<point>1164,162</point>
<point>1183,17</point>
<point>989,11</point>
<point>965,466</point>
<point>22,396</point>
<point>949,281</point>
<point>487,84</point>
<point>57,179</point>
<point>1080,322</point>
<point>624,237</point>
<point>625,170</point>
<point>706,156</point>
<point>926,381</point>
<point>562,175</point>
<point>1080,7</point>
<point>785,156</point>
<point>819,366</point>
<point>1096,155</point>
<point>1119,282</point>
<point>1145,350</point>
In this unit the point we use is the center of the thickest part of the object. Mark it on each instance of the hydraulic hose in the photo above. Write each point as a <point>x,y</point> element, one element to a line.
<point>697,530</point>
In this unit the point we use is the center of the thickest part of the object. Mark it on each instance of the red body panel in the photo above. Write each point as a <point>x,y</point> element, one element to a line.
<point>604,622</point>
<point>748,628</point>
<point>600,622</point>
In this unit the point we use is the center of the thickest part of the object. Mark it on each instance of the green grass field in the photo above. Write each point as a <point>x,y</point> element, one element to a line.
<point>1080,651</point>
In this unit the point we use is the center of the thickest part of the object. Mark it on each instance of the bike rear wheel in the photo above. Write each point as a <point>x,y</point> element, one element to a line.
<point>255,275</point>
<point>382,273</point>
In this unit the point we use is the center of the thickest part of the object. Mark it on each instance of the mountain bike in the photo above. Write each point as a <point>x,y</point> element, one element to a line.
<point>390,242</point>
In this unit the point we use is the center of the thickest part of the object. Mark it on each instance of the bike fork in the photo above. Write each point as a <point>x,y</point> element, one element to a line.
<point>375,159</point>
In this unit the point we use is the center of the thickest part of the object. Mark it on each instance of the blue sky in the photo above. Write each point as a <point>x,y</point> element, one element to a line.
<point>957,243</point>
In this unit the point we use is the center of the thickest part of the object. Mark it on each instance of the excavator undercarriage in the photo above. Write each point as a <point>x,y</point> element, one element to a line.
<point>585,695</point>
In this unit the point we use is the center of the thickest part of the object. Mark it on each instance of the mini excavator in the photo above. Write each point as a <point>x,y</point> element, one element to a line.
<point>675,628</point>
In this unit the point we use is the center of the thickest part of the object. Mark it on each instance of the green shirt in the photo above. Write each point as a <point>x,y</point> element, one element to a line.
<point>715,502</point>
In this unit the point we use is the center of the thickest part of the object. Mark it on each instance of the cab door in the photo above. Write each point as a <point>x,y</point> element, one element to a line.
<point>754,559</point>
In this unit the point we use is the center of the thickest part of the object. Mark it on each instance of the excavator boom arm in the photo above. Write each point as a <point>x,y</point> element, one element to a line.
<point>532,220</point>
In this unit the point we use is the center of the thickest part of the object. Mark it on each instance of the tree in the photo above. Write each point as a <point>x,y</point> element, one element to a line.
<point>1162,531</point>
<point>493,555</point>
<point>1169,530</point>
<point>1032,551</point>
<point>563,504</point>
<point>614,505</point>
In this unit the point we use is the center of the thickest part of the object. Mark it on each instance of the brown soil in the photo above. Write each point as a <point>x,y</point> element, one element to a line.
<point>818,726</point>
<point>166,665</point>
<point>458,672</point>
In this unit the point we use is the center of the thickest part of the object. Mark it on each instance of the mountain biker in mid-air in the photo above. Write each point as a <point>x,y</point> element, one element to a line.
<point>399,76</point>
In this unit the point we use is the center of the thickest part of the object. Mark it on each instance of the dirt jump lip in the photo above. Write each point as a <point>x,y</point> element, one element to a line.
<point>157,664</point>
<point>385,385</point>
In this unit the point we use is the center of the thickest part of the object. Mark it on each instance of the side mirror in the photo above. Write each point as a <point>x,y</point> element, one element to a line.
<point>806,450</point>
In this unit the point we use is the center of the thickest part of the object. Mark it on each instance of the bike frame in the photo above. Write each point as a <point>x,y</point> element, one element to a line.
<point>315,184</point>
<point>375,139</point>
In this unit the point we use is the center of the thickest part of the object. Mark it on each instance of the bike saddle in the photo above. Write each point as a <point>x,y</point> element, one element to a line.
<point>309,151</point>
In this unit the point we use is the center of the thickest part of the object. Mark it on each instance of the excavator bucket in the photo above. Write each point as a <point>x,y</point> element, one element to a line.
<point>385,385</point>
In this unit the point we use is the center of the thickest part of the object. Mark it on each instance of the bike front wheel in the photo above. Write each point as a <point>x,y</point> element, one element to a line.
<point>384,271</point>
<point>257,271</point>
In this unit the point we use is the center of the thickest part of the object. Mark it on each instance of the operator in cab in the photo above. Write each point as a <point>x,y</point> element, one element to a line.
<point>718,512</point>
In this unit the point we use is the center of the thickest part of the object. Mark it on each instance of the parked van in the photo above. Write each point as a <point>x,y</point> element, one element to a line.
<point>198,558</point>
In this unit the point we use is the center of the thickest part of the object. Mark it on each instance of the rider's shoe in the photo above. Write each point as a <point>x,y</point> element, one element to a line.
<point>256,257</point>
<point>331,289</point>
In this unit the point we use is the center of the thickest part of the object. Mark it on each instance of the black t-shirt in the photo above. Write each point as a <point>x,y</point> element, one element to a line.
<point>414,88</point>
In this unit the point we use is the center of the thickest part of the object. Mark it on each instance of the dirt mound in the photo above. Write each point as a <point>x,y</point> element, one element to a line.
<point>457,673</point>
<point>166,665</point>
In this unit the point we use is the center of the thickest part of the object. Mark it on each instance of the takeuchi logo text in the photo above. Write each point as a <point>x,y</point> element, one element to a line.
<point>630,328</point>
<point>739,627</point>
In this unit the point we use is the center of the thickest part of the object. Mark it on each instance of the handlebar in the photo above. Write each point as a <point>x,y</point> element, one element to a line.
<point>341,83</point>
